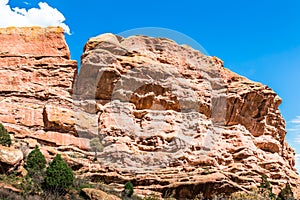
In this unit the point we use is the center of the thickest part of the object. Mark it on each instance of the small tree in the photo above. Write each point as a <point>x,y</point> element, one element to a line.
<point>36,160</point>
<point>128,189</point>
<point>59,176</point>
<point>35,164</point>
<point>96,146</point>
<point>265,185</point>
<point>4,136</point>
<point>286,193</point>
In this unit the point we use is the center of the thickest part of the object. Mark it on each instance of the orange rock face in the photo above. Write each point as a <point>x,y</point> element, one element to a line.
<point>33,42</point>
<point>36,83</point>
<point>169,118</point>
<point>178,120</point>
<point>10,156</point>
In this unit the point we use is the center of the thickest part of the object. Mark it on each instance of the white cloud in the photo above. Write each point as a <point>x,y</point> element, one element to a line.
<point>293,126</point>
<point>296,120</point>
<point>297,159</point>
<point>293,138</point>
<point>43,16</point>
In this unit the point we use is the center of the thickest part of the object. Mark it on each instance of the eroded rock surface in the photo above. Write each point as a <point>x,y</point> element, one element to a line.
<point>10,156</point>
<point>170,119</point>
<point>173,119</point>
<point>36,82</point>
<point>94,194</point>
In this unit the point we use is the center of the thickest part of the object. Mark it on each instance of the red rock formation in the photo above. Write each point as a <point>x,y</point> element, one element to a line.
<point>36,82</point>
<point>33,42</point>
<point>177,120</point>
<point>169,117</point>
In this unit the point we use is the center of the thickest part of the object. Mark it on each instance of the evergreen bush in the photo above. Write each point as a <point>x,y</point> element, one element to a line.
<point>36,160</point>
<point>128,189</point>
<point>265,185</point>
<point>5,139</point>
<point>59,176</point>
<point>286,193</point>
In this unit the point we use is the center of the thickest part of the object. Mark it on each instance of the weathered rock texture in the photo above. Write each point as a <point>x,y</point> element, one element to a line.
<point>171,119</point>
<point>36,84</point>
<point>94,194</point>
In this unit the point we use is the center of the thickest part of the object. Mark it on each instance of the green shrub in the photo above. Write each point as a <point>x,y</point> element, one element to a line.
<point>35,165</point>
<point>4,137</point>
<point>265,185</point>
<point>286,193</point>
<point>36,160</point>
<point>80,183</point>
<point>128,189</point>
<point>59,176</point>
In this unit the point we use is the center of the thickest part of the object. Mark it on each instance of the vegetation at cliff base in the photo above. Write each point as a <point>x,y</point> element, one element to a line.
<point>5,139</point>
<point>59,176</point>
<point>286,193</point>
<point>265,185</point>
<point>35,165</point>
<point>57,181</point>
<point>35,161</point>
<point>128,189</point>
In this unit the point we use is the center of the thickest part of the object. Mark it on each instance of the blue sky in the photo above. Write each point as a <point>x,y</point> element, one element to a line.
<point>257,39</point>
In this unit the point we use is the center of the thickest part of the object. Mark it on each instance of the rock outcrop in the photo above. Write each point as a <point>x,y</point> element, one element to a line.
<point>94,194</point>
<point>171,120</point>
<point>36,85</point>
<point>9,157</point>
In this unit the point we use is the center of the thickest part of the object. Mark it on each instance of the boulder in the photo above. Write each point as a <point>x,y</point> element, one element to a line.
<point>10,156</point>
<point>94,194</point>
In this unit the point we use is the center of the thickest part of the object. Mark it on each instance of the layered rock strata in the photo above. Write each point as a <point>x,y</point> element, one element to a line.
<point>171,120</point>
<point>36,84</point>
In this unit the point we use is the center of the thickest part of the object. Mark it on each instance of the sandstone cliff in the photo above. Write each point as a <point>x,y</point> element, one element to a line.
<point>170,118</point>
<point>36,84</point>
